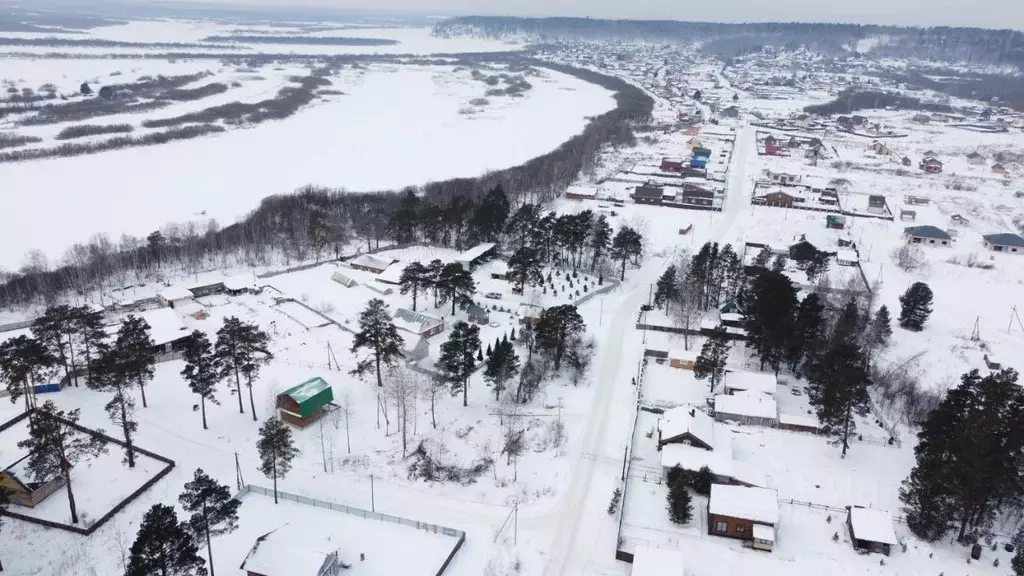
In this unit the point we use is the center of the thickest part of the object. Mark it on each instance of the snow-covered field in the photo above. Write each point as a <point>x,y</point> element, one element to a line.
<point>395,126</point>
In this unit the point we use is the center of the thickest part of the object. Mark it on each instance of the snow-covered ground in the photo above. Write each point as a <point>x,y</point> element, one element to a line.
<point>395,126</point>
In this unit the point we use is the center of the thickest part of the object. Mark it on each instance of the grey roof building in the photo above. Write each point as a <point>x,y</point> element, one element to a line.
<point>927,234</point>
<point>1005,242</point>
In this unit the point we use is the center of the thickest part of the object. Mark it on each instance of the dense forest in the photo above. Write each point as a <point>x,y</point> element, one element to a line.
<point>850,101</point>
<point>971,45</point>
<point>319,222</point>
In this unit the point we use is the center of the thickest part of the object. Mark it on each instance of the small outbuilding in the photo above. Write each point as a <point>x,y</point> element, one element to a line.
<point>870,529</point>
<point>24,492</point>
<point>930,165</point>
<point>174,296</point>
<point>529,314</point>
<point>648,194</point>
<point>343,279</point>
<point>682,359</point>
<point>417,323</point>
<point>1005,242</point>
<point>799,422</point>
<point>580,193</point>
<point>287,552</point>
<point>477,314</point>
<point>847,257</point>
<point>306,403</point>
<point>476,255</point>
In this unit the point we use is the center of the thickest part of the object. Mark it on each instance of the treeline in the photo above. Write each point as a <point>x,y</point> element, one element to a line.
<point>1008,88</point>
<point>950,44</point>
<point>280,226</point>
<point>191,94</point>
<point>12,140</point>
<point>287,102</point>
<point>307,40</point>
<point>83,130</point>
<point>849,101</point>
<point>69,149</point>
<point>97,43</point>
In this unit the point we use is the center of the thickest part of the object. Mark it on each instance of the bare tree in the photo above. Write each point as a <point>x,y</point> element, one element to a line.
<point>909,258</point>
<point>402,388</point>
<point>346,410</point>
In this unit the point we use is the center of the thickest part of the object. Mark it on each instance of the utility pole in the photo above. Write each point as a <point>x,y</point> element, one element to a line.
<point>373,503</point>
<point>239,481</point>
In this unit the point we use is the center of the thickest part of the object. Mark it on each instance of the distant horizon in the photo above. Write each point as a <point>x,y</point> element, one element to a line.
<point>870,12</point>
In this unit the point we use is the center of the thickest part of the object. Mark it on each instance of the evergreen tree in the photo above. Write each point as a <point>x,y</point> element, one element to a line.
<point>456,285</point>
<point>24,362</point>
<point>1017,562</point>
<point>164,547</point>
<point>780,263</point>
<point>666,288</point>
<point>415,278</point>
<point>818,265</point>
<point>319,233</point>
<point>276,449</point>
<point>680,507</point>
<point>405,218</point>
<point>433,278</point>
<point>489,218</point>
<point>55,329</point>
<point>881,327</point>
<point>135,346</point>
<point>110,373</point>
<point>241,349</point>
<point>600,240</point>
<point>377,334</point>
<point>214,511</point>
<point>703,480</point>
<point>554,329</point>
<point>712,359</point>
<point>522,224</point>
<point>156,243</point>
<point>55,446</point>
<point>202,370</point>
<point>502,366</point>
<point>763,258</point>
<point>458,358</point>
<point>839,380</point>
<point>627,244</point>
<point>730,275</point>
<point>916,306</point>
<point>808,332</point>
<point>92,336</point>
<point>770,317</point>
<point>525,268</point>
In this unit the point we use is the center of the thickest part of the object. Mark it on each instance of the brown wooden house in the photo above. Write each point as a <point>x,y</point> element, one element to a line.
<point>744,513</point>
<point>23,492</point>
<point>306,403</point>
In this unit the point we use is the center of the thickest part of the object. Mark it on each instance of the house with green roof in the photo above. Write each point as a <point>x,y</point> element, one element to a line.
<point>306,403</point>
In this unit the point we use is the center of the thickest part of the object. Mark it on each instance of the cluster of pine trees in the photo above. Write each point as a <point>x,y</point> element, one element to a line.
<point>448,282</point>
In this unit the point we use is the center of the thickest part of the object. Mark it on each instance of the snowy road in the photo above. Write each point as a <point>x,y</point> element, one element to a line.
<point>582,543</point>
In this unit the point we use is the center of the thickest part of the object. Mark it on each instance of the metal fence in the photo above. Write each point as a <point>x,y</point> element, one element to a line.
<point>363,513</point>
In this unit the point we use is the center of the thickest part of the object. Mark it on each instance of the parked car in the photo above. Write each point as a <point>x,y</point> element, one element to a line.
<point>796,392</point>
<point>493,295</point>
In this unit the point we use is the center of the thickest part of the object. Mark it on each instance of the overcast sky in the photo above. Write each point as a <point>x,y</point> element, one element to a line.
<point>983,13</point>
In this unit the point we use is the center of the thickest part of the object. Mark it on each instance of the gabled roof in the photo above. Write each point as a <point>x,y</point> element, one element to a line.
<point>311,395</point>
<point>872,525</point>
<point>927,231</point>
<point>747,403</point>
<point>1004,239</point>
<point>165,325</point>
<point>753,381</point>
<point>371,261</point>
<point>474,310</point>
<point>756,504</point>
<point>414,322</point>
<point>286,552</point>
<point>688,420</point>
<point>646,191</point>
<point>475,252</point>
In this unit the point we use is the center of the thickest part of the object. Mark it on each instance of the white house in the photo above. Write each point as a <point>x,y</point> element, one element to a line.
<point>174,296</point>
<point>743,380</point>
<point>749,407</point>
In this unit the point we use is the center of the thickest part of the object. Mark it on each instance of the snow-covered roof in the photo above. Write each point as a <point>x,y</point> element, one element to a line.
<point>413,343</point>
<point>530,310</point>
<point>165,325</point>
<point>872,525</point>
<point>393,274</point>
<point>745,380</point>
<point>1004,239</point>
<point>581,190</point>
<point>414,322</point>
<point>235,283</point>
<point>499,267</point>
<point>649,561</point>
<point>370,261</point>
<point>747,403</point>
<point>475,252</point>
<point>280,553</point>
<point>683,354</point>
<point>762,532</point>
<point>757,504</point>
<point>799,420</point>
<point>847,255</point>
<point>175,293</point>
<point>732,317</point>
<point>687,419</point>
<point>720,463</point>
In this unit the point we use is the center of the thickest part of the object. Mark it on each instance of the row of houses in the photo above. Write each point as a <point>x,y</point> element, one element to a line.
<point>686,195</point>
<point>928,235</point>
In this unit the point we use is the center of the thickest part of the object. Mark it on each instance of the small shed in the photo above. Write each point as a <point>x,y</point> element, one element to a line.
<point>174,296</point>
<point>908,215</point>
<point>682,359</point>
<point>306,403</point>
<point>847,257</point>
<point>499,270</point>
<point>835,221</point>
<point>529,314</point>
<point>870,529</point>
<point>24,492</point>
<point>799,422</point>
<point>930,165</point>
<point>877,204</point>
<point>671,165</point>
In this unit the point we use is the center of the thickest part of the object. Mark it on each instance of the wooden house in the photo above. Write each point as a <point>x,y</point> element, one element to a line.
<point>417,323</point>
<point>930,165</point>
<point>686,425</point>
<point>306,403</point>
<point>744,513</point>
<point>771,146</point>
<point>870,529</point>
<point>477,314</point>
<point>530,314</point>
<point>976,159</point>
<point>580,193</point>
<point>671,165</point>
<point>24,492</point>
<point>682,359</point>
<point>835,222</point>
<point>648,194</point>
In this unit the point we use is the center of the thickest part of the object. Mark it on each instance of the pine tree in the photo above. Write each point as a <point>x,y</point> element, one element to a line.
<point>818,265</point>
<point>433,278</point>
<point>489,218</point>
<point>627,244</point>
<point>55,446</point>
<point>521,226</point>
<point>703,480</point>
<point>600,240</point>
<point>110,373</point>
<point>808,332</point>
<point>135,346</point>
<point>712,359</point>
<point>54,329</point>
<point>241,349</point>
<point>92,336</point>
<point>458,359</point>
<point>780,263</point>
<point>24,362</point>
<point>202,370</point>
<point>405,218</point>
<point>163,546</point>
<point>763,258</point>
<point>770,317</point>
<point>916,306</point>
<point>414,279</point>
<point>554,329</point>
<point>214,511</point>
<point>276,449</point>
<point>839,381</point>
<point>456,285</point>
<point>1017,562</point>
<point>525,268</point>
<point>502,366</point>
<point>680,508</point>
<point>666,288</point>
<point>377,334</point>
<point>319,233</point>
<point>881,327</point>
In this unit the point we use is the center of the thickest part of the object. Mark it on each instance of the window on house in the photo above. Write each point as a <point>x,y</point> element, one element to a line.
<point>741,528</point>
<point>722,527</point>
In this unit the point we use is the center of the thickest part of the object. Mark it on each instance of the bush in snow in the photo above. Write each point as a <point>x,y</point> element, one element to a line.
<point>909,258</point>
<point>614,504</point>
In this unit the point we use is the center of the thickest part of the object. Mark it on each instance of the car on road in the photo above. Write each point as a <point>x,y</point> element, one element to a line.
<point>493,295</point>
